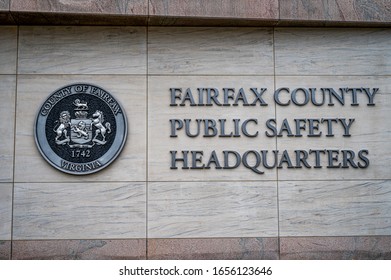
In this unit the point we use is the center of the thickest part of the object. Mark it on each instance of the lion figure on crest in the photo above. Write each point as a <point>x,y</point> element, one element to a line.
<point>64,123</point>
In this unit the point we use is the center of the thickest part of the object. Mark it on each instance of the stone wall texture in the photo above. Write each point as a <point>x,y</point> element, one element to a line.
<point>139,208</point>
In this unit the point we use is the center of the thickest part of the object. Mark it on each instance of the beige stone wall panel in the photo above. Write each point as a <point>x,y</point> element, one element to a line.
<point>212,209</point>
<point>210,51</point>
<point>7,125</point>
<point>5,211</point>
<point>315,51</point>
<point>82,50</point>
<point>8,49</point>
<point>160,143</point>
<point>79,211</point>
<point>369,131</point>
<point>130,91</point>
<point>334,208</point>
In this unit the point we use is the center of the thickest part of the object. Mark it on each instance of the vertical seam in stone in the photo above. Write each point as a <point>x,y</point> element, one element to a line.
<point>147,137</point>
<point>275,116</point>
<point>14,140</point>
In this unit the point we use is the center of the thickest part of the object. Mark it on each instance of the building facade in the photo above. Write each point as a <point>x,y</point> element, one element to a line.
<point>257,129</point>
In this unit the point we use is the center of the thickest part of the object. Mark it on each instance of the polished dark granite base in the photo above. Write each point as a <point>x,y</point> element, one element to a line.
<point>5,250</point>
<point>79,249</point>
<point>213,248</point>
<point>335,248</point>
<point>288,248</point>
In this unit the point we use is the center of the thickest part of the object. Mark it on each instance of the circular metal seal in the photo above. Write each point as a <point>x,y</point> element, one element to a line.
<point>80,129</point>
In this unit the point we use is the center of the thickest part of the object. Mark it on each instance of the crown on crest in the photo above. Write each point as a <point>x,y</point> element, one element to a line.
<point>81,109</point>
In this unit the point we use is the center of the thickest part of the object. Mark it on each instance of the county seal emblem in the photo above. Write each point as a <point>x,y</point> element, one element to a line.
<point>80,129</point>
